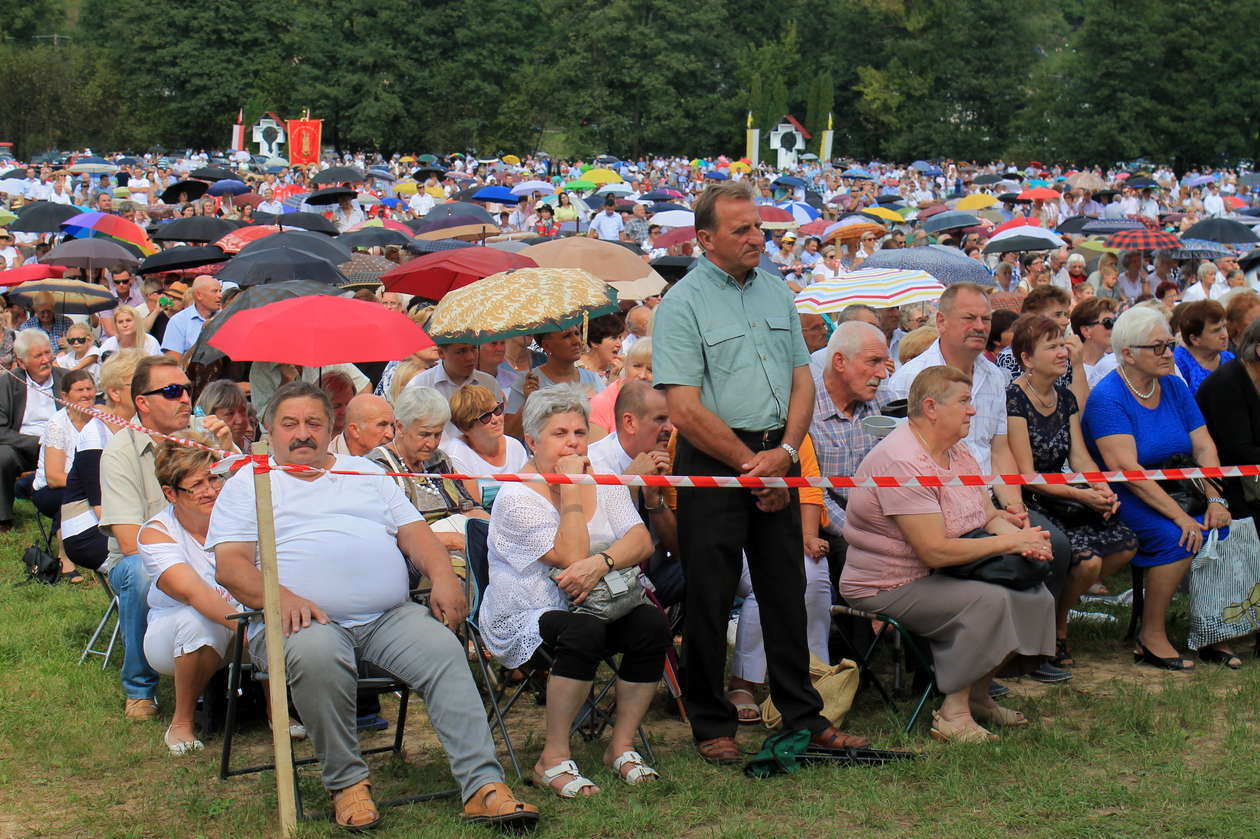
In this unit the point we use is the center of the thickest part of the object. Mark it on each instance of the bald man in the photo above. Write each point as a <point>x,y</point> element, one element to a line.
<point>369,423</point>
<point>185,326</point>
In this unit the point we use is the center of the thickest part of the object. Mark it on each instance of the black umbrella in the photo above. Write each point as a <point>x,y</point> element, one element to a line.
<point>1251,260</point>
<point>252,298</point>
<point>426,172</point>
<point>330,195</point>
<point>333,250</point>
<point>42,217</point>
<point>185,190</point>
<point>672,268</point>
<point>373,237</point>
<point>307,221</point>
<point>465,195</point>
<point>179,258</point>
<point>194,229</point>
<point>339,175</point>
<point>434,245</point>
<point>1018,244</point>
<point>14,173</point>
<point>1106,226</point>
<point>1223,230</point>
<point>887,198</point>
<point>666,206</point>
<point>1013,198</point>
<point>274,265</point>
<point>813,199</point>
<point>212,173</point>
<point>381,175</point>
<point>986,180</point>
<point>91,254</point>
<point>1073,224</point>
<point>455,208</point>
<point>1142,182</point>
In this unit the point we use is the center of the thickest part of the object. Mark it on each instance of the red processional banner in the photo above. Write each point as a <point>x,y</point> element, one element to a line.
<point>304,139</point>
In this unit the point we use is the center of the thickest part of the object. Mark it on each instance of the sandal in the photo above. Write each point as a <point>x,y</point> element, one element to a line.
<point>571,788</point>
<point>354,809</point>
<point>505,811</point>
<point>639,770</point>
<point>748,713</point>
<point>181,747</point>
<point>1062,655</point>
<point>997,715</point>
<point>71,576</point>
<point>952,732</point>
<point>1215,655</point>
<point>1174,662</point>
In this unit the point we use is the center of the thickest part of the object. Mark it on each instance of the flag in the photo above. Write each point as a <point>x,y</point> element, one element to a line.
<point>304,140</point>
<point>238,132</point>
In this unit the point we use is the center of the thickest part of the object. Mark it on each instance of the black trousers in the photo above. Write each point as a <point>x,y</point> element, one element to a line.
<point>579,642</point>
<point>14,460</point>
<point>715,528</point>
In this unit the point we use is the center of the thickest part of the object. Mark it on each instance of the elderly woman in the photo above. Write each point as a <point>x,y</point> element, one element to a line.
<point>586,532</point>
<point>1204,339</point>
<point>1140,417</point>
<point>189,629</point>
<point>481,447</point>
<point>56,453</point>
<point>898,537</point>
<point>420,415</point>
<point>224,399</point>
<point>1241,309</point>
<point>131,333</point>
<point>1044,432</point>
<point>636,367</point>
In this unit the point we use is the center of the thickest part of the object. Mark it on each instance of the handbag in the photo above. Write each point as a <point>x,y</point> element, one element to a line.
<point>1065,511</point>
<point>613,597</point>
<point>41,566</point>
<point>1187,492</point>
<point>1010,570</point>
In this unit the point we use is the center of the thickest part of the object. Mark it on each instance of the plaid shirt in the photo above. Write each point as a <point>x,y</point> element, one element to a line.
<point>60,324</point>
<point>840,443</point>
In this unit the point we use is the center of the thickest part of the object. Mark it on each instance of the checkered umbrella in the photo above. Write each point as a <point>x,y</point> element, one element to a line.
<point>1142,240</point>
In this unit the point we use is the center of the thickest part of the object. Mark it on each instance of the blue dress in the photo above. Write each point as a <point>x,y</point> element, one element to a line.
<point>1191,370</point>
<point>1159,434</point>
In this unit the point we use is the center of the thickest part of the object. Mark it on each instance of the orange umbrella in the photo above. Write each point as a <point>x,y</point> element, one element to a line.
<point>237,239</point>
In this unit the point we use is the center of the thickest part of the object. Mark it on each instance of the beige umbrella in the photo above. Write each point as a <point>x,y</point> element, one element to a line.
<point>1087,180</point>
<point>520,302</point>
<point>631,275</point>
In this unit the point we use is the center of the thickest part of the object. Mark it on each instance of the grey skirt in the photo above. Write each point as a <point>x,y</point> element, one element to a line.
<point>971,626</point>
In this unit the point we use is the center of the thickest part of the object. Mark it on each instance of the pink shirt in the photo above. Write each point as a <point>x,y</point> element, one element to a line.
<point>603,404</point>
<point>879,557</point>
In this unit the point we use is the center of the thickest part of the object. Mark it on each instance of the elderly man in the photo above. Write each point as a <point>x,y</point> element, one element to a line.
<point>963,321</point>
<point>640,446</point>
<point>132,496</point>
<point>818,359</point>
<point>1209,284</point>
<point>26,406</point>
<point>44,317</point>
<point>184,327</point>
<point>729,354</point>
<point>369,423</point>
<point>638,325</point>
<point>343,543</point>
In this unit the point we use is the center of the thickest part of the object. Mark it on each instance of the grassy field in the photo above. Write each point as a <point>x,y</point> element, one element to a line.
<point>1120,751</point>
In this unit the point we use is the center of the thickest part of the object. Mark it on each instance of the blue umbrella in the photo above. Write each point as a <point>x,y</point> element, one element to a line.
<point>1201,249</point>
<point>666,206</point>
<point>432,246</point>
<point>855,172</point>
<point>946,265</point>
<point>950,220</point>
<point>715,175</point>
<point>922,166</point>
<point>228,187</point>
<point>791,182</point>
<point>497,194</point>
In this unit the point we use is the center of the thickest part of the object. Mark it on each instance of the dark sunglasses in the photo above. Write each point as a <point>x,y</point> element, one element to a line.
<point>496,411</point>
<point>171,392</point>
<point>1159,348</point>
<point>76,340</point>
<point>1105,323</point>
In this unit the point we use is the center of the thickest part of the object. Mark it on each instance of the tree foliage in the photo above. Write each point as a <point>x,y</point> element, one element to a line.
<point>1069,80</point>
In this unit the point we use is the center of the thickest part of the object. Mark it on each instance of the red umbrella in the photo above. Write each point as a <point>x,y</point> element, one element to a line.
<point>676,236</point>
<point>15,276</point>
<point>817,227</point>
<point>253,199</point>
<point>1142,239</point>
<point>1017,222</point>
<point>434,274</point>
<point>318,331</point>
<point>1041,193</point>
<point>928,212</point>
<point>237,239</point>
<point>769,212</point>
<point>1234,202</point>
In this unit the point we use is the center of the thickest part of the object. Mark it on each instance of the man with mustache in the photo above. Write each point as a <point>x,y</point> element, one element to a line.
<point>963,322</point>
<point>342,543</point>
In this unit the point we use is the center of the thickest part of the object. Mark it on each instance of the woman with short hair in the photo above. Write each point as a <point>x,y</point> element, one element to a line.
<point>637,366</point>
<point>1204,338</point>
<point>56,453</point>
<point>224,399</point>
<point>481,447</point>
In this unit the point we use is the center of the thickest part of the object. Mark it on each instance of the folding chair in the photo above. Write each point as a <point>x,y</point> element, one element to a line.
<point>111,611</point>
<point>906,648</point>
<point>371,679</point>
<point>594,715</point>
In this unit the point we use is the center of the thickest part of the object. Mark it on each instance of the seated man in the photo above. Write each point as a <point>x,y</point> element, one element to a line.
<point>369,423</point>
<point>640,446</point>
<point>343,543</point>
<point>26,406</point>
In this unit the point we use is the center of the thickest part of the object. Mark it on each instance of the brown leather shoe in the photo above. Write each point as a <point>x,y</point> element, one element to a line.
<point>722,751</point>
<point>505,811</point>
<point>832,738</point>
<point>354,809</point>
<point>140,709</point>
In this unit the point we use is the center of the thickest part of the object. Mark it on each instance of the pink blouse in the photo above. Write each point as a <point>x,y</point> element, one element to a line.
<point>879,556</point>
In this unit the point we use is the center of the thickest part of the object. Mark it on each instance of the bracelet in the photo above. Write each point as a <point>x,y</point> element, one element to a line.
<point>1218,500</point>
<point>661,505</point>
<point>608,560</point>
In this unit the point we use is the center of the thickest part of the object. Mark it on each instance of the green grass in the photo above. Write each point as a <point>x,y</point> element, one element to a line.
<point>1119,752</point>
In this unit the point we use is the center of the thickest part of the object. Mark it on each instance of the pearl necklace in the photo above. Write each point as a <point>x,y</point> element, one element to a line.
<point>1136,392</point>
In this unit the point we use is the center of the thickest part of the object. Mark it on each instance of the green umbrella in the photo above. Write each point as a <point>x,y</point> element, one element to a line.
<point>580,185</point>
<point>427,158</point>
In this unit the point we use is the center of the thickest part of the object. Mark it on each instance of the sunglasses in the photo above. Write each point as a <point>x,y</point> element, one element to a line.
<point>76,340</point>
<point>171,392</point>
<point>1158,348</point>
<point>496,411</point>
<point>1105,323</point>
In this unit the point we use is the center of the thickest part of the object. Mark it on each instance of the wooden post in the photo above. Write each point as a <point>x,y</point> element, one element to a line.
<point>277,684</point>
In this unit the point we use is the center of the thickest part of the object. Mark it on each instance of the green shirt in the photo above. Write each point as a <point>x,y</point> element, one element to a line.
<point>738,344</point>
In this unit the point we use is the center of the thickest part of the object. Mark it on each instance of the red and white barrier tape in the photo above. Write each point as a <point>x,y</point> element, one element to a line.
<point>233,461</point>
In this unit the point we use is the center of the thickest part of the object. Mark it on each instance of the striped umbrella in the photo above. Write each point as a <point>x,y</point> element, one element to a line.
<point>107,226</point>
<point>801,212</point>
<point>876,287</point>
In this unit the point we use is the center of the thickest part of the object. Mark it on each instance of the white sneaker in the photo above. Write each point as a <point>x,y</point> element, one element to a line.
<point>732,626</point>
<point>1091,617</point>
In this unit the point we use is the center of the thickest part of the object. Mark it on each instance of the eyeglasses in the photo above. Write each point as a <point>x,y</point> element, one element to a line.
<point>1158,348</point>
<point>213,482</point>
<point>171,392</point>
<point>496,411</point>
<point>76,340</point>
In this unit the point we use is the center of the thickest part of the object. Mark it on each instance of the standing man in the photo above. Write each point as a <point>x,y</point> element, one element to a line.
<point>730,357</point>
<point>607,225</point>
<point>184,327</point>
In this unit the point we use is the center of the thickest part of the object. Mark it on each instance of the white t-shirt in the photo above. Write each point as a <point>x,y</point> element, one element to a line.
<point>336,536</point>
<point>110,346</point>
<point>1094,372</point>
<point>60,434</point>
<point>467,461</point>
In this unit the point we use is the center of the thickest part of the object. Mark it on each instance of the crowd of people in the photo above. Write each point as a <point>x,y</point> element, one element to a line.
<point>1067,359</point>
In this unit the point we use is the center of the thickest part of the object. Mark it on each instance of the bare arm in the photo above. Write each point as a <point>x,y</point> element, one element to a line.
<point>581,576</point>
<point>55,467</point>
<point>1004,464</point>
<point>1021,450</point>
<point>235,571</point>
<point>427,554</point>
<point>181,583</point>
<point>126,535</point>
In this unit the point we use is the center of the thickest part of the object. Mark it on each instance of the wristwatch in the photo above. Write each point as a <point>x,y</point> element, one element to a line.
<point>1218,500</point>
<point>608,560</point>
<point>792,453</point>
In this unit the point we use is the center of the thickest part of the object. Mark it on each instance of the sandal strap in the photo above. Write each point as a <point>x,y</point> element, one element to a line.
<point>354,805</point>
<point>639,769</point>
<point>506,804</point>
<point>576,783</point>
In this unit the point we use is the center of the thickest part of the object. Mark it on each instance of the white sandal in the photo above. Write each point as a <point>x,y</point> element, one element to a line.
<point>641,771</point>
<point>181,747</point>
<point>573,787</point>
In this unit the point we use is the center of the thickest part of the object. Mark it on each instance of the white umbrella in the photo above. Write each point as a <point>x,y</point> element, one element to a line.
<point>12,186</point>
<point>1052,238</point>
<point>531,187</point>
<point>619,188</point>
<point>674,218</point>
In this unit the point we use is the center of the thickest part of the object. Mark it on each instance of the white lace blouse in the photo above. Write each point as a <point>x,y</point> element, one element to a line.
<point>522,528</point>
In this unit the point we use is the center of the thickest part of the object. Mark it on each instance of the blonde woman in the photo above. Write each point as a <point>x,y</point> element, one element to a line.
<point>130,333</point>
